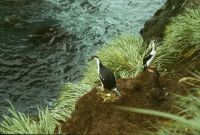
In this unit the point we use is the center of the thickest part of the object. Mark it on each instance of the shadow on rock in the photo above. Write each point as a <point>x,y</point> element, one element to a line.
<point>154,28</point>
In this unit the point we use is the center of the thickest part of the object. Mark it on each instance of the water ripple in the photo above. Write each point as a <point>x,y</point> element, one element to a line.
<point>44,43</point>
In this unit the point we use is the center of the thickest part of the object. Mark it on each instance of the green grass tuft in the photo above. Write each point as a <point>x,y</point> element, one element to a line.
<point>68,97</point>
<point>19,123</point>
<point>183,33</point>
<point>186,121</point>
<point>124,56</point>
<point>193,123</point>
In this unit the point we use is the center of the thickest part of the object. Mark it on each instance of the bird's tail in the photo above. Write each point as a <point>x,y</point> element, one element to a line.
<point>117,92</point>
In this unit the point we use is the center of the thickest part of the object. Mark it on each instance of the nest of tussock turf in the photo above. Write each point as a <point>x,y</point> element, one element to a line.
<point>97,114</point>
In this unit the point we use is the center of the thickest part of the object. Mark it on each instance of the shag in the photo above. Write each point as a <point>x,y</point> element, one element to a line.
<point>150,56</point>
<point>106,76</point>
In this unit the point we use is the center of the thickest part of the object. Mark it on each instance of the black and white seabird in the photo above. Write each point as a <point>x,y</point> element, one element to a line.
<point>106,76</point>
<point>150,56</point>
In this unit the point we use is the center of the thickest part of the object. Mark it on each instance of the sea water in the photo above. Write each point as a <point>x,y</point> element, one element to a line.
<point>45,43</point>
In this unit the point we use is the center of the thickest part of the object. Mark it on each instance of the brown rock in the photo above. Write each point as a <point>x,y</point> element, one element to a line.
<point>154,27</point>
<point>95,115</point>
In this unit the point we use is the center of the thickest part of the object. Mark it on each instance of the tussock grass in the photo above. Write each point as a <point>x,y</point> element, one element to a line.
<point>189,122</point>
<point>124,56</point>
<point>190,81</point>
<point>189,111</point>
<point>186,121</point>
<point>181,124</point>
<point>19,123</point>
<point>183,33</point>
<point>68,96</point>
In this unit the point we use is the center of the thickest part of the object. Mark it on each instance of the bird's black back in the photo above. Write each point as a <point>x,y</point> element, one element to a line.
<point>107,77</point>
<point>147,57</point>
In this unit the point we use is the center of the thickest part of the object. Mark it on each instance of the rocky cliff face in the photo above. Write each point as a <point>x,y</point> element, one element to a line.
<point>154,27</point>
<point>95,113</point>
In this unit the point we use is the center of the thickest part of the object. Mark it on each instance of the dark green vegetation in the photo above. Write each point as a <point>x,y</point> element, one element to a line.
<point>181,43</point>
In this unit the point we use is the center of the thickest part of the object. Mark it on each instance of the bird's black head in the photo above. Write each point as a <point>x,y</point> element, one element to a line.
<point>94,57</point>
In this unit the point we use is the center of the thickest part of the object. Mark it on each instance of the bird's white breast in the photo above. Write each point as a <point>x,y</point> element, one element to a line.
<point>153,53</point>
<point>98,65</point>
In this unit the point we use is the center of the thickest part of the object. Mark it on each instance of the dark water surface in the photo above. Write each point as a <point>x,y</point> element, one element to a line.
<point>44,43</point>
